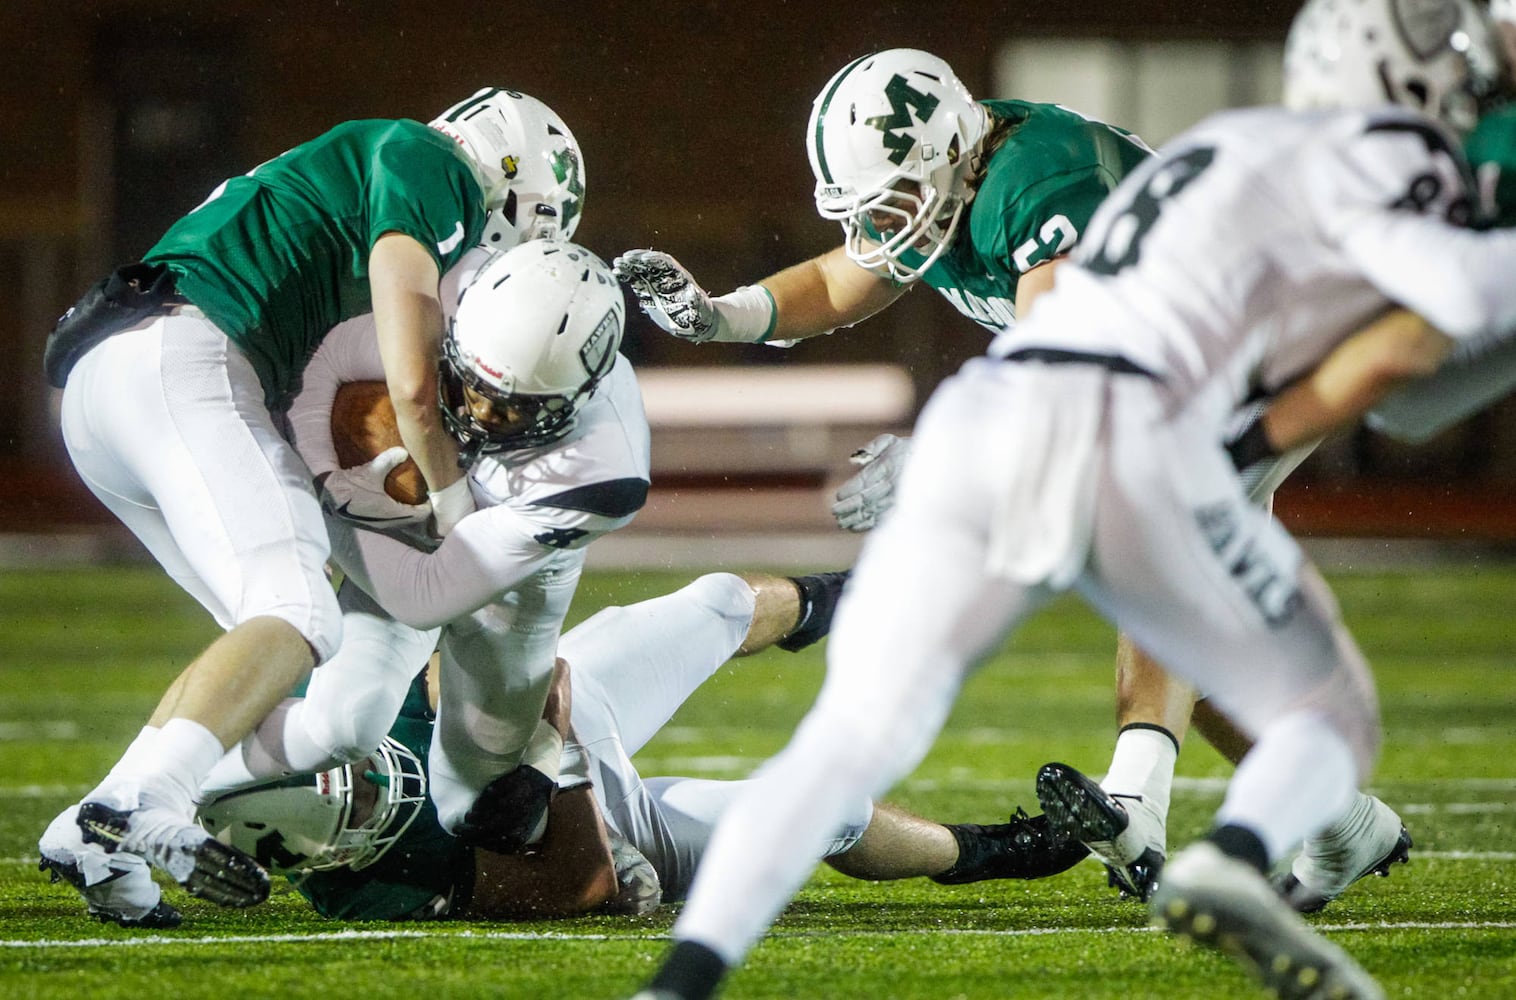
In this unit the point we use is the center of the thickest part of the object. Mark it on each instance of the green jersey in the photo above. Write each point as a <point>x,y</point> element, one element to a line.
<point>1491,149</point>
<point>1037,195</point>
<point>422,872</point>
<point>279,256</point>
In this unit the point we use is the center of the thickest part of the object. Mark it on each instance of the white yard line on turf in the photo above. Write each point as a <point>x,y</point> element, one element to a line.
<point>346,937</point>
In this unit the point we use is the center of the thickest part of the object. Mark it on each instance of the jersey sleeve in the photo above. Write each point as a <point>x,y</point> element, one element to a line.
<point>1397,198</point>
<point>489,553</point>
<point>350,353</point>
<point>427,192</point>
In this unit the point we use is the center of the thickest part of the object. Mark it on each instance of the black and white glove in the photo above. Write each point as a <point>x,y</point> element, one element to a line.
<point>358,494</point>
<point>672,299</point>
<point>668,294</point>
<point>863,499</point>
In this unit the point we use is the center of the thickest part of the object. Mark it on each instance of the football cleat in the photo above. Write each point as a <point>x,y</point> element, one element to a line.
<point>1026,848</point>
<point>203,865</point>
<point>116,888</point>
<point>1124,832</point>
<point>1225,904</point>
<point>1365,842</point>
<point>818,602</point>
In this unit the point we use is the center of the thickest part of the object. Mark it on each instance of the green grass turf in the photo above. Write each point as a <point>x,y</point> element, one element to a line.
<point>86,653</point>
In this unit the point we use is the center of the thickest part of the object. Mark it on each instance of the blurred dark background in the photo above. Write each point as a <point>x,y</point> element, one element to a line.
<point>119,116</point>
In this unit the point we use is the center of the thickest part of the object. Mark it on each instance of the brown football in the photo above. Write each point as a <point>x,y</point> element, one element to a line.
<point>363,425</point>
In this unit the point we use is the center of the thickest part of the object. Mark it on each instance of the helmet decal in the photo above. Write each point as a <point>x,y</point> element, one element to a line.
<point>902,97</point>
<point>565,164</point>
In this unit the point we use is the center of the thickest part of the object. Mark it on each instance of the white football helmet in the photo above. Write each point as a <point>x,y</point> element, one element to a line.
<point>529,164</point>
<point>1436,56</point>
<point>894,142</point>
<point>347,817</point>
<point>534,332</point>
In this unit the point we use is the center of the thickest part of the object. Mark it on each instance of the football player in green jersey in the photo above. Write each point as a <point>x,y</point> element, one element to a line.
<point>174,372</point>
<point>982,201</point>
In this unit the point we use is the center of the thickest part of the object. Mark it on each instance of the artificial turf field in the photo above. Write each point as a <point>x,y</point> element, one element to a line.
<point>85,653</point>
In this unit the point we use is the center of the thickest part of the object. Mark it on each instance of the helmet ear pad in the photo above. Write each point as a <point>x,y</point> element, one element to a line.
<point>535,331</point>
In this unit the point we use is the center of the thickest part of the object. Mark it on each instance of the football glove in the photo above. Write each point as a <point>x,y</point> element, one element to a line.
<point>510,813</point>
<point>450,505</point>
<point>668,294</point>
<point>863,499</point>
<point>358,494</point>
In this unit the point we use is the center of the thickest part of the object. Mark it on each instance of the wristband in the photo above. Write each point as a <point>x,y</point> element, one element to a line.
<point>746,316</point>
<point>451,504</point>
<point>544,750</point>
<point>574,768</point>
<point>1252,446</point>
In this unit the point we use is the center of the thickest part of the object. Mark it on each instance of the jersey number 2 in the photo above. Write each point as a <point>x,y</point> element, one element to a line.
<point>1122,245</point>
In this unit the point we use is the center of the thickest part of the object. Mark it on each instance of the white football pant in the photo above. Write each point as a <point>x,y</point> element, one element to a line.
<point>1066,476</point>
<point>166,424</point>
<point>630,669</point>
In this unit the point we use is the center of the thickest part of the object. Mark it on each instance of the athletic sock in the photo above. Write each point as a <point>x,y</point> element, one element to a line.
<point>1142,765</point>
<point>818,602</point>
<point>690,972</point>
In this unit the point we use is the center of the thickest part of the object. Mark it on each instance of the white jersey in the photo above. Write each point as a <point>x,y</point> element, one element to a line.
<point>532,504</point>
<point>1233,262</point>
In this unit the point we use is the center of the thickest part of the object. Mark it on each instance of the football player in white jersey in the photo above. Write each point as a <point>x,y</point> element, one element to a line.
<point>1233,263</point>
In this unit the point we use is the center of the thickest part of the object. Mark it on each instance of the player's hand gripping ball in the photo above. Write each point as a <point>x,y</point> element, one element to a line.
<point>363,427</point>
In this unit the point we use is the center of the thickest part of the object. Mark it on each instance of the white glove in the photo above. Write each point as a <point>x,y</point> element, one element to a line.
<point>863,499</point>
<point>450,505</point>
<point>668,294</point>
<point>358,494</point>
<point>672,299</point>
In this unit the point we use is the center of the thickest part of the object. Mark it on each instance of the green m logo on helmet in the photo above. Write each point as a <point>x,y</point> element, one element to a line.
<point>902,97</point>
<point>566,169</point>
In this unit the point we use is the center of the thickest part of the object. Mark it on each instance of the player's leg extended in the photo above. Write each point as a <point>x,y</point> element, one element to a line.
<point>632,667</point>
<point>347,708</point>
<point>1219,593</point>
<point>168,421</point>
<point>919,611</point>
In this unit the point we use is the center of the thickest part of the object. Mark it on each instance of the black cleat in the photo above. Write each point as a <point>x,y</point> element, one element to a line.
<point>200,863</point>
<point>818,602</point>
<point>1025,848</point>
<point>1079,809</point>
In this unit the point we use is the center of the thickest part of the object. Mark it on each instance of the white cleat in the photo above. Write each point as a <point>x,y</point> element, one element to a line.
<point>116,887</point>
<point>1125,832</point>
<point>1222,903</point>
<point>171,842</point>
<point>1365,842</point>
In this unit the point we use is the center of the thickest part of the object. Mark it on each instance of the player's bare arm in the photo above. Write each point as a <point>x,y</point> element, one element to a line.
<point>826,292</point>
<point>1362,370</point>
<point>403,278</point>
